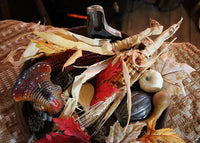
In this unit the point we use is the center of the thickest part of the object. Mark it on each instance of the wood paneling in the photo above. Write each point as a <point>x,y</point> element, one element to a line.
<point>137,18</point>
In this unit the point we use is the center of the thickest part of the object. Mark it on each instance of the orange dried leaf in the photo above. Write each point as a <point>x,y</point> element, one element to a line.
<point>164,135</point>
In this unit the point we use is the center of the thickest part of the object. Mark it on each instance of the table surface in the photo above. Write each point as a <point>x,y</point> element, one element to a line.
<point>137,18</point>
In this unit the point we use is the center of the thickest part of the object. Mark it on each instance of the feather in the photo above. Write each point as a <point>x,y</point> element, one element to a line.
<point>105,89</point>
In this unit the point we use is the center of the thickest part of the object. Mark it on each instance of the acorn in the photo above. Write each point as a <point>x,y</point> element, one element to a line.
<point>140,109</point>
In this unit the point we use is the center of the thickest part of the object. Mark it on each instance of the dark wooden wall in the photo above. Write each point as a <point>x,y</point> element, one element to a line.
<point>134,16</point>
<point>137,19</point>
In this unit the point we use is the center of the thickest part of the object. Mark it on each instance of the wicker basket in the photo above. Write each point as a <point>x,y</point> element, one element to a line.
<point>184,112</point>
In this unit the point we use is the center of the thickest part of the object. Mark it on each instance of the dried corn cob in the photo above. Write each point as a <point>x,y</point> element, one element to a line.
<point>137,62</point>
<point>133,63</point>
<point>134,73</point>
<point>135,59</point>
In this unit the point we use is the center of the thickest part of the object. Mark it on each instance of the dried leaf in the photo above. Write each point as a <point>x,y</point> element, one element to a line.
<point>121,135</point>
<point>130,134</point>
<point>57,138</point>
<point>70,128</point>
<point>164,135</point>
<point>172,72</point>
<point>72,132</point>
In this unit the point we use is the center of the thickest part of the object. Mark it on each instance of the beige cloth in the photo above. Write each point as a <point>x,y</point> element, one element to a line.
<point>12,35</point>
<point>184,115</point>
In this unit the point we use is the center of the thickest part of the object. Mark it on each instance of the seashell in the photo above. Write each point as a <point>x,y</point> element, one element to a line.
<point>35,85</point>
<point>141,107</point>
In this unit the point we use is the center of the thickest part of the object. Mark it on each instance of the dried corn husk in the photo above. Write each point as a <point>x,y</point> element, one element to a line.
<point>155,29</point>
<point>148,51</point>
<point>105,49</point>
<point>30,51</point>
<point>76,37</point>
<point>96,111</point>
<point>72,59</point>
<point>63,38</point>
<point>128,86</point>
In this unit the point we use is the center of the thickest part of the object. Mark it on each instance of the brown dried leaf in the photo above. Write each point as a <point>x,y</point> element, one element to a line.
<point>118,134</point>
<point>172,72</point>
